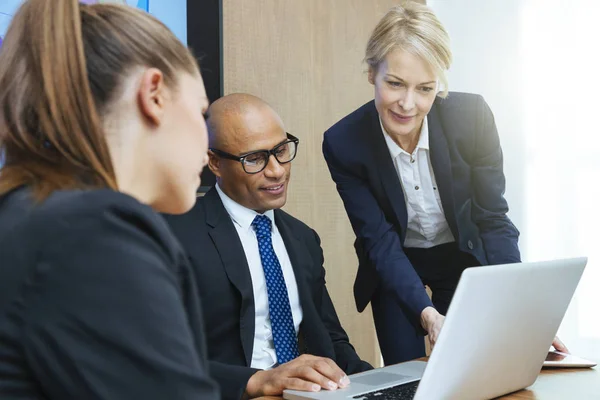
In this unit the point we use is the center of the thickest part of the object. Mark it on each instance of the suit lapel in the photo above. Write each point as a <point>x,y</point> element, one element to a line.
<point>387,172</point>
<point>442,166</point>
<point>229,247</point>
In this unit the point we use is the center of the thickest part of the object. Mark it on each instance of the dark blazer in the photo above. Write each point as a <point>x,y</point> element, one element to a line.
<point>96,302</point>
<point>467,161</point>
<point>216,253</point>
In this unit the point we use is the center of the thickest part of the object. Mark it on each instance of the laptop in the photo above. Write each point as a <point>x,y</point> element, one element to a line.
<point>495,338</point>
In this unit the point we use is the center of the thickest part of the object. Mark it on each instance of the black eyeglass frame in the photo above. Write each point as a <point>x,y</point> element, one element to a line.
<point>242,159</point>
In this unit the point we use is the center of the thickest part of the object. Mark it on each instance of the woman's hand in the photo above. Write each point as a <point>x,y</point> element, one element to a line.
<point>559,346</point>
<point>432,321</point>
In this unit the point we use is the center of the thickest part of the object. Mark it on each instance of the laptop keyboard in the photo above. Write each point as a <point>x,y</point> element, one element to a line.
<point>406,391</point>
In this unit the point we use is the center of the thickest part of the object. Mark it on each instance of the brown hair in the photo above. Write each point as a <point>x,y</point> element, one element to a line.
<point>61,65</point>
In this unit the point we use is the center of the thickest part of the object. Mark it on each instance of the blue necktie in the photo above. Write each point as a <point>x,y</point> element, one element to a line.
<point>282,323</point>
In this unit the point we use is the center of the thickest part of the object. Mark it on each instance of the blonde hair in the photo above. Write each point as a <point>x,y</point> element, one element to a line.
<point>61,66</point>
<point>412,27</point>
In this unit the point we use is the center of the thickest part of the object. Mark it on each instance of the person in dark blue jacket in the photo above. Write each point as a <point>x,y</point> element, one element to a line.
<point>101,125</point>
<point>420,174</point>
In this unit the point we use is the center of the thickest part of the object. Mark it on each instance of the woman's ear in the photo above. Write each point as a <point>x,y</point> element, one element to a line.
<point>152,95</point>
<point>371,75</point>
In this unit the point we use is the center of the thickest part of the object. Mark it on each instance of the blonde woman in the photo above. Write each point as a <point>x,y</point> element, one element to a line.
<point>420,173</point>
<point>101,124</point>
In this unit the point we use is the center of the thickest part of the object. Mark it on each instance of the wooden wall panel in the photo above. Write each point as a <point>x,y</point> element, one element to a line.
<point>305,59</point>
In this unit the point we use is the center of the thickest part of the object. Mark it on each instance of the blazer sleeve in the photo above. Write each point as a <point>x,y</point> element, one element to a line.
<point>498,234</point>
<point>345,354</point>
<point>378,238</point>
<point>232,379</point>
<point>105,317</point>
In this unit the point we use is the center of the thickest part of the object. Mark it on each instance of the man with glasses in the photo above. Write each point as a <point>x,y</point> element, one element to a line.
<point>270,322</point>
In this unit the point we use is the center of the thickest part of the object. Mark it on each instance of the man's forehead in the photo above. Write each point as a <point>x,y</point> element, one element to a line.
<point>255,121</point>
<point>270,135</point>
<point>243,126</point>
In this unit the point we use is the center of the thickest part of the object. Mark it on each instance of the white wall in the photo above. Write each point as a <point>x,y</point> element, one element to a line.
<point>536,62</point>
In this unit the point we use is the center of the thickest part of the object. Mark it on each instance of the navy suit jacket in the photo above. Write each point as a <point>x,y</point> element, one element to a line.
<point>225,286</point>
<point>467,162</point>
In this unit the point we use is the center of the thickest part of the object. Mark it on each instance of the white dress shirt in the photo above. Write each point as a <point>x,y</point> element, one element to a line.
<point>427,225</point>
<point>263,351</point>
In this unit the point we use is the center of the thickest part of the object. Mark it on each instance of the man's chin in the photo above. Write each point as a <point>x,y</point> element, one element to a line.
<point>274,203</point>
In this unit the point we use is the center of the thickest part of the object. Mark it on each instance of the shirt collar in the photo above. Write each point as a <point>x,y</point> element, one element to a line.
<point>241,215</point>
<point>396,150</point>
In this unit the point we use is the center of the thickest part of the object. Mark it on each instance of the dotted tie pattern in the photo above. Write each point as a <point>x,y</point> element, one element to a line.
<point>282,323</point>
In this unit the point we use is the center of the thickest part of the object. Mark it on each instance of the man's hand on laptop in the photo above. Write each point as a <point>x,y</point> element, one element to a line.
<point>307,373</point>
<point>432,321</point>
<point>559,345</point>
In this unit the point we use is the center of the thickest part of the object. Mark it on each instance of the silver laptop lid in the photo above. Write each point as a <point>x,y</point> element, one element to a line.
<point>500,324</point>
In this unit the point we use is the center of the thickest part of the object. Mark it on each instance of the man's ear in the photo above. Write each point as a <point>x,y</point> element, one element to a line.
<point>152,94</point>
<point>214,163</point>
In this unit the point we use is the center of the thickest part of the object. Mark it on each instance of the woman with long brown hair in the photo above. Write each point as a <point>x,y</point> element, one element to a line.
<point>101,126</point>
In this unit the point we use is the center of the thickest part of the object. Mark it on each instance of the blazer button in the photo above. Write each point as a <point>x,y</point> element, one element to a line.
<point>470,245</point>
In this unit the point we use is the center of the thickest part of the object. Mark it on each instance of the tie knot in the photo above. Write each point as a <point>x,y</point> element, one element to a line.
<point>262,226</point>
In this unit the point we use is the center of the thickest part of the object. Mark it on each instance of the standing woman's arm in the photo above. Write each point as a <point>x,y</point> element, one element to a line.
<point>498,234</point>
<point>379,238</point>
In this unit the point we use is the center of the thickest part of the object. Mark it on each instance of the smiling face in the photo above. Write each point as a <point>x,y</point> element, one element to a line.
<point>405,89</point>
<point>256,128</point>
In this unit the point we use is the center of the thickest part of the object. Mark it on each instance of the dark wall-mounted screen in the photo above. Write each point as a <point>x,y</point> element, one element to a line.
<point>204,38</point>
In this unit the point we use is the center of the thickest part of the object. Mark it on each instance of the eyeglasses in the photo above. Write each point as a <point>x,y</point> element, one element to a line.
<point>255,161</point>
